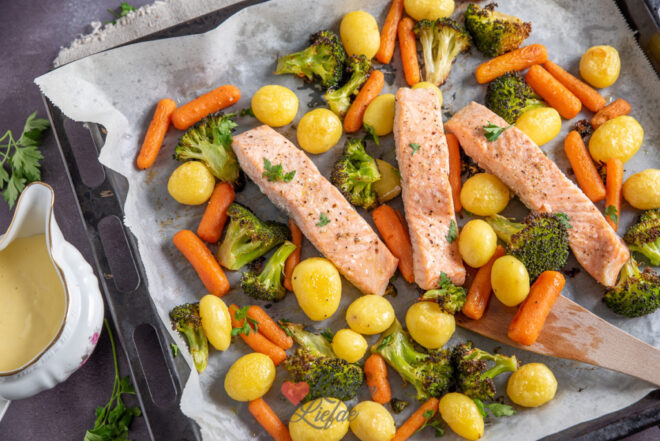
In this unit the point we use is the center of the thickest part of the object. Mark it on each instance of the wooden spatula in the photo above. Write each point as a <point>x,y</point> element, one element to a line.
<point>574,333</point>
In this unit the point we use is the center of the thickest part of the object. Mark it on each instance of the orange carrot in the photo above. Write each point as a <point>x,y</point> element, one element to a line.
<point>480,289</point>
<point>583,166</point>
<point>217,99</point>
<point>294,258</point>
<point>153,140</point>
<point>256,340</point>
<point>553,92</point>
<point>396,238</point>
<point>591,99</point>
<point>388,34</point>
<point>262,412</point>
<point>454,170</point>
<point>408,46</point>
<point>613,185</point>
<point>215,215</point>
<point>201,258</point>
<point>375,370</point>
<point>370,90</point>
<point>615,108</point>
<point>518,59</point>
<point>416,420</point>
<point>267,326</point>
<point>528,322</point>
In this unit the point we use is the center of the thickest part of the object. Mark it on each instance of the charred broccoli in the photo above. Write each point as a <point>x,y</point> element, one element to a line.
<point>450,297</point>
<point>185,319</point>
<point>636,293</point>
<point>473,377</point>
<point>317,365</point>
<point>540,242</point>
<point>322,61</point>
<point>358,69</point>
<point>267,284</point>
<point>644,236</point>
<point>429,372</point>
<point>209,141</point>
<point>495,33</point>
<point>442,40</point>
<point>248,238</point>
<point>510,96</point>
<point>354,174</point>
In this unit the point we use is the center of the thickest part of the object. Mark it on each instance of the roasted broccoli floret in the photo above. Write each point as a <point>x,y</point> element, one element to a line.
<point>636,293</point>
<point>185,319</point>
<point>354,174</point>
<point>644,236</point>
<point>248,238</point>
<point>429,372</point>
<point>473,377</point>
<point>358,69</point>
<point>495,33</point>
<point>267,284</point>
<point>322,61</point>
<point>442,40</point>
<point>540,242</point>
<point>317,365</point>
<point>209,141</point>
<point>510,96</point>
<point>450,297</point>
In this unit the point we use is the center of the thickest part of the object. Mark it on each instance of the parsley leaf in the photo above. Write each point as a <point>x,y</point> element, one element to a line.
<point>175,349</point>
<point>385,342</point>
<point>371,134</point>
<point>282,323</point>
<point>499,410</point>
<point>492,132</point>
<point>323,220</point>
<point>444,281</point>
<point>563,217</point>
<point>327,334</point>
<point>414,147</point>
<point>276,173</point>
<point>432,422</point>
<point>247,112</point>
<point>452,234</point>
<point>249,324</point>
<point>124,9</point>
<point>480,407</point>
<point>612,213</point>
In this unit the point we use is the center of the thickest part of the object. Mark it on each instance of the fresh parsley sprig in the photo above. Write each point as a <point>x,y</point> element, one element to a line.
<point>452,234</point>
<point>414,147</point>
<point>323,220</point>
<point>433,422</point>
<point>328,335</point>
<point>497,409</point>
<point>612,213</point>
<point>276,173</point>
<point>371,134</point>
<point>492,131</point>
<point>124,9</point>
<point>249,325</point>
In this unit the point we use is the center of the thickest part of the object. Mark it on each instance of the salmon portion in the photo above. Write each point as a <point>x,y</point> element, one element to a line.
<point>541,186</point>
<point>426,192</point>
<point>347,239</point>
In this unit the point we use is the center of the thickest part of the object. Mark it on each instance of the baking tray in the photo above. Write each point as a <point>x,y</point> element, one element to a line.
<point>101,194</point>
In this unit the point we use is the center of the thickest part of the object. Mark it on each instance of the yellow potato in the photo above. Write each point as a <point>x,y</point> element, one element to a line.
<point>619,137</point>
<point>510,280</point>
<point>380,114</point>
<point>642,190</point>
<point>484,194</point>
<point>541,124</point>
<point>427,85</point>
<point>477,243</point>
<point>429,9</point>
<point>359,34</point>
<point>370,314</point>
<point>250,377</point>
<point>317,286</point>
<point>318,131</point>
<point>349,345</point>
<point>216,321</point>
<point>389,185</point>
<point>191,183</point>
<point>372,422</point>
<point>324,419</point>
<point>275,105</point>
<point>461,414</point>
<point>600,66</point>
<point>532,385</point>
<point>429,325</point>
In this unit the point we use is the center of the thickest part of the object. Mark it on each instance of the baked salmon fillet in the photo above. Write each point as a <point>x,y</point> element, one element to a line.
<point>541,186</point>
<point>341,234</point>
<point>421,150</point>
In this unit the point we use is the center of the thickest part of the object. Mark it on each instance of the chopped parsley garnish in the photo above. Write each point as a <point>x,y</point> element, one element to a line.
<point>563,217</point>
<point>247,112</point>
<point>323,220</point>
<point>327,334</point>
<point>414,147</point>
<point>249,324</point>
<point>124,9</point>
<point>453,232</point>
<point>371,134</point>
<point>497,409</point>
<point>276,173</point>
<point>612,213</point>
<point>492,132</point>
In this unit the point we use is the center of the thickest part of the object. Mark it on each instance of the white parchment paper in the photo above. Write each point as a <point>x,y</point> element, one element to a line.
<point>120,88</point>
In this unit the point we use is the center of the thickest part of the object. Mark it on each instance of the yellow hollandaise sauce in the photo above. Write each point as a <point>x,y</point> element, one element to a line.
<point>32,301</point>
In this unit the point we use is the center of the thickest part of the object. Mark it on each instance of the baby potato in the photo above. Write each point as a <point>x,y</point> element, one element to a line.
<point>461,414</point>
<point>250,377</point>
<point>510,280</point>
<point>484,194</point>
<point>600,66</point>
<point>216,321</point>
<point>380,114</point>
<point>318,131</point>
<point>275,105</point>
<point>619,137</point>
<point>370,314</point>
<point>389,185</point>
<point>323,419</point>
<point>372,422</point>
<point>429,9</point>
<point>427,85</point>
<point>317,286</point>
<point>532,385</point>
<point>191,183</point>
<point>477,243</point>
<point>349,345</point>
<point>541,124</point>
<point>359,34</point>
<point>429,325</point>
<point>642,190</point>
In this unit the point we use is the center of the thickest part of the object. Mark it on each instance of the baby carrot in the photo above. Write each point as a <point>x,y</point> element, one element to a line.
<point>583,166</point>
<point>591,99</point>
<point>454,170</point>
<point>269,420</point>
<point>553,92</point>
<point>217,99</point>
<point>375,370</point>
<point>613,185</point>
<point>480,289</point>
<point>256,340</point>
<point>215,215</point>
<point>271,330</point>
<point>202,260</point>
<point>615,108</point>
<point>388,34</point>
<point>416,420</point>
<point>153,140</point>
<point>518,59</point>
<point>396,238</point>
<point>294,258</point>
<point>370,90</point>
<point>528,322</point>
<point>408,46</point>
